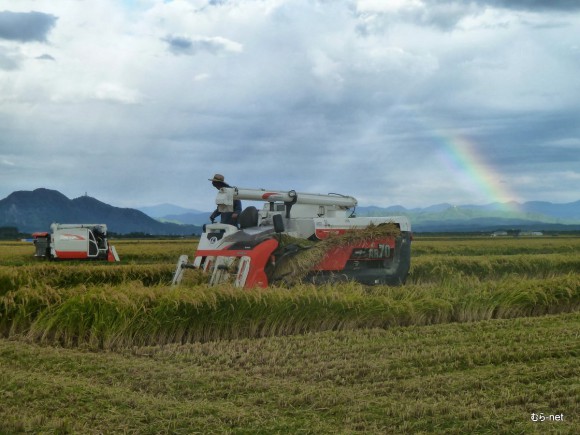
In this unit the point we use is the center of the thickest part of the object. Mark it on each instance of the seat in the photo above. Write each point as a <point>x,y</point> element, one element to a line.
<point>248,217</point>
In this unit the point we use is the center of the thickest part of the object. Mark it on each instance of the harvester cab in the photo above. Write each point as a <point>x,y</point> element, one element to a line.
<point>313,237</point>
<point>75,242</point>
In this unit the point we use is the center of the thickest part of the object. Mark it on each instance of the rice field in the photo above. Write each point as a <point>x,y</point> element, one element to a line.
<point>484,334</point>
<point>112,306</point>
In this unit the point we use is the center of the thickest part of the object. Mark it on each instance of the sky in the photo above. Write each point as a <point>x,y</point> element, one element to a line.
<point>394,102</point>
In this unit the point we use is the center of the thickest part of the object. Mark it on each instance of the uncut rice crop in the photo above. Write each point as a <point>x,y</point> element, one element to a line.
<point>434,268</point>
<point>103,305</point>
<point>154,251</point>
<point>16,253</point>
<point>480,246</point>
<point>59,275</point>
<point>134,315</point>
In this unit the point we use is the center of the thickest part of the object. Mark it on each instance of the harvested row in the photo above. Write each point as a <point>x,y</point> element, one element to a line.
<point>112,317</point>
<point>484,377</point>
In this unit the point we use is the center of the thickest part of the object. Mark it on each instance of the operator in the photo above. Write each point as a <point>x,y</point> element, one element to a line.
<point>230,218</point>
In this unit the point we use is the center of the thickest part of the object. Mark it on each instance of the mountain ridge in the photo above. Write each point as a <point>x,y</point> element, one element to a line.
<point>446,216</point>
<point>35,210</point>
<point>31,211</point>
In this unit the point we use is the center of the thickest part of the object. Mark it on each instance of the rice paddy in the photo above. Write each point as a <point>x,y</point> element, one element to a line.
<point>112,306</point>
<point>484,333</point>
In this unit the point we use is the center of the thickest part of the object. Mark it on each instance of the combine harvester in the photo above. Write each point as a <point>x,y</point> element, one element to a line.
<point>75,242</point>
<point>276,244</point>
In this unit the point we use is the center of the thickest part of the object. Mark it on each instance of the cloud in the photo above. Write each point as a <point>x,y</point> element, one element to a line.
<point>116,93</point>
<point>26,26</point>
<point>6,162</point>
<point>534,5</point>
<point>398,6</point>
<point>449,15</point>
<point>9,59</point>
<point>444,15</point>
<point>312,95</point>
<point>45,56</point>
<point>566,142</point>
<point>213,45</point>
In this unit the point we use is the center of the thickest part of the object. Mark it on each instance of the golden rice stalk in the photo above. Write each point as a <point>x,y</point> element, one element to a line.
<point>292,268</point>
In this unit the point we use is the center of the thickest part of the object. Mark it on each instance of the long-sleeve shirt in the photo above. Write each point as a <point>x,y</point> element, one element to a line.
<point>226,217</point>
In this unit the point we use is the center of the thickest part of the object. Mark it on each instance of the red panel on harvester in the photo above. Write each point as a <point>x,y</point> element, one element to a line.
<point>259,256</point>
<point>376,250</point>
<point>71,255</point>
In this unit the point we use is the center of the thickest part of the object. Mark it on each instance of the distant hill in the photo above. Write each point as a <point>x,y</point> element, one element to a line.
<point>31,211</point>
<point>534,215</point>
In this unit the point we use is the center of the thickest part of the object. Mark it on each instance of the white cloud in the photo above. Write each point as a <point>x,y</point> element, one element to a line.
<point>117,93</point>
<point>10,59</point>
<point>567,142</point>
<point>201,77</point>
<point>6,162</point>
<point>389,6</point>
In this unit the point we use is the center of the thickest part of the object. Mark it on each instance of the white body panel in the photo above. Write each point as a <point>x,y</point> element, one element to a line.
<point>71,240</point>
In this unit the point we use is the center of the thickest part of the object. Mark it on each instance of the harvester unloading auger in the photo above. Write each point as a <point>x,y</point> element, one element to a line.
<point>300,237</point>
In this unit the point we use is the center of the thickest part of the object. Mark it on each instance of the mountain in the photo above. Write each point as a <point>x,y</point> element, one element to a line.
<point>445,217</point>
<point>562,211</point>
<point>35,210</point>
<point>532,215</point>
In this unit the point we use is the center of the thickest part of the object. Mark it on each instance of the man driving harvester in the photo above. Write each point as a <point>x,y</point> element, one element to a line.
<point>227,217</point>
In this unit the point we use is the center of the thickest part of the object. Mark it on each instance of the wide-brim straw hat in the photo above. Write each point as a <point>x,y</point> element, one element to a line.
<point>217,177</point>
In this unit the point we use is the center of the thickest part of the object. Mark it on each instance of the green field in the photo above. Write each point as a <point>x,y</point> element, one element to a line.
<point>485,333</point>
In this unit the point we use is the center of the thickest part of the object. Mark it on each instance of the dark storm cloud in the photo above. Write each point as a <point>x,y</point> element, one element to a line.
<point>25,26</point>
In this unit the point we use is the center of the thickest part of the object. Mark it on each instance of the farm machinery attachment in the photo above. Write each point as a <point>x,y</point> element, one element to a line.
<point>300,237</point>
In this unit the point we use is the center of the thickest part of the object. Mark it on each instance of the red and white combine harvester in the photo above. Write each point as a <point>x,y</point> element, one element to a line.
<point>75,242</point>
<point>251,255</point>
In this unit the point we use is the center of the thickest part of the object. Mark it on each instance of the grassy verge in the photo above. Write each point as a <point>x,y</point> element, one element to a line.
<point>485,377</point>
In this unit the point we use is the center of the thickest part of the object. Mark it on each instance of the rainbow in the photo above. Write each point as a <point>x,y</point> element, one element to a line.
<point>461,157</point>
